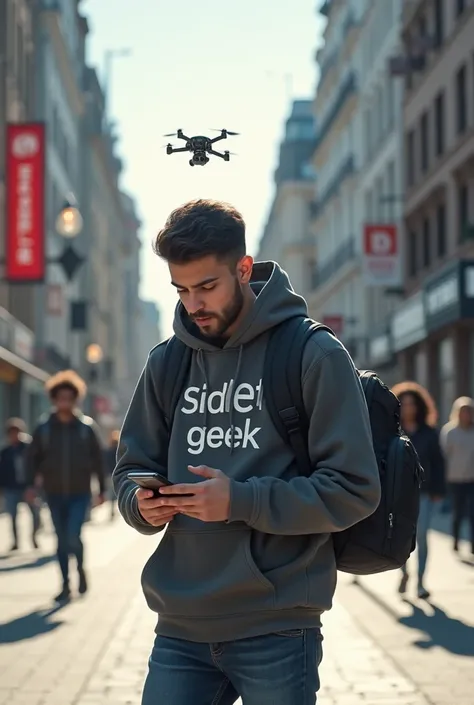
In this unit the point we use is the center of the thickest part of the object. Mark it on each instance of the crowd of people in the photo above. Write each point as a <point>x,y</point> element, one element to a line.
<point>54,466</point>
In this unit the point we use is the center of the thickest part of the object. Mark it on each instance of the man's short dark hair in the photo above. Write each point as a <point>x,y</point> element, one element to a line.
<point>66,379</point>
<point>201,228</point>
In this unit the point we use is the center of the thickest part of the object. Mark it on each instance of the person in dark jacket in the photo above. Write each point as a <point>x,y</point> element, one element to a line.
<point>418,420</point>
<point>13,478</point>
<point>64,454</point>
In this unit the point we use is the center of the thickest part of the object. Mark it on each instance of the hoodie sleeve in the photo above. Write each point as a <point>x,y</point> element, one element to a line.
<point>143,444</point>
<point>345,485</point>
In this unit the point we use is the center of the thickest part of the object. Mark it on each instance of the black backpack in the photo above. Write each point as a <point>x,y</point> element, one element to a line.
<point>383,541</point>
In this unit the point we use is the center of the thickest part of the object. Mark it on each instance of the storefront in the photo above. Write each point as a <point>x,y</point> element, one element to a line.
<point>449,305</point>
<point>21,381</point>
<point>408,333</point>
<point>382,358</point>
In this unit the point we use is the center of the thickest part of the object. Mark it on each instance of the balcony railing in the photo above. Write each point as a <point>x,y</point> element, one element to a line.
<point>345,170</point>
<point>344,254</point>
<point>346,90</point>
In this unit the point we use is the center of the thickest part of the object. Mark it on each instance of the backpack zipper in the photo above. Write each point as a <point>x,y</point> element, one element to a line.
<point>390,526</point>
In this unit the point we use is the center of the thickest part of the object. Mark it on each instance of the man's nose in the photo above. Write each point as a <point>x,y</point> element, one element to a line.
<point>195,303</point>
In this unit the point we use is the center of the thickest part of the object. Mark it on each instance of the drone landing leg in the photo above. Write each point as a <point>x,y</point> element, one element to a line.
<point>217,154</point>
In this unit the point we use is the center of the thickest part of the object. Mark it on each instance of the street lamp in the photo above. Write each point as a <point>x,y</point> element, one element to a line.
<point>69,220</point>
<point>94,354</point>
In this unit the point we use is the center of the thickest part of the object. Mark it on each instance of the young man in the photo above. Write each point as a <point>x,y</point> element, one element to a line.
<point>246,567</point>
<point>64,454</point>
<point>13,478</point>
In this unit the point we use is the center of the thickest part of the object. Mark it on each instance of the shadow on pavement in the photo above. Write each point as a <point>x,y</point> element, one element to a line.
<point>440,630</point>
<point>30,625</point>
<point>37,563</point>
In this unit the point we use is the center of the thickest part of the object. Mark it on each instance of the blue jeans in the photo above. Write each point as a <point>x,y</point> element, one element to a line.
<point>424,523</point>
<point>68,514</point>
<point>13,498</point>
<point>275,669</point>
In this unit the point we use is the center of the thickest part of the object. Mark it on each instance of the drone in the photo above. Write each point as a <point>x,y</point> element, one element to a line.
<point>200,146</point>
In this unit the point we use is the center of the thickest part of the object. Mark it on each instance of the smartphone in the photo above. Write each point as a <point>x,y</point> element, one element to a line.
<point>152,481</point>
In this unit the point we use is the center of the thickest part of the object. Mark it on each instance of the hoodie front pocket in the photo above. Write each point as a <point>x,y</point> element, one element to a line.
<point>205,573</point>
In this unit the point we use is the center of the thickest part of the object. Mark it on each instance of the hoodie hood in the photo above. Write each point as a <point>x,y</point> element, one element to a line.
<point>276,302</point>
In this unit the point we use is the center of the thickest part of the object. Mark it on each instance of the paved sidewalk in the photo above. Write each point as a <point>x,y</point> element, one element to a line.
<point>430,642</point>
<point>94,651</point>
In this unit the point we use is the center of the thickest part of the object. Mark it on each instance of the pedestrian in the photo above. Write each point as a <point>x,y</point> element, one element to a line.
<point>246,566</point>
<point>110,458</point>
<point>458,442</point>
<point>419,417</point>
<point>13,479</point>
<point>64,454</point>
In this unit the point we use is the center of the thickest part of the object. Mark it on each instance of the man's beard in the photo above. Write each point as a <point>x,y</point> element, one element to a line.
<point>228,316</point>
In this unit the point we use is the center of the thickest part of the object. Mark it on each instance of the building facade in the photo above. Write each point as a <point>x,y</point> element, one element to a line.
<point>287,236</point>
<point>48,326</point>
<point>111,270</point>
<point>338,296</point>
<point>379,192</point>
<point>60,40</point>
<point>21,376</point>
<point>433,331</point>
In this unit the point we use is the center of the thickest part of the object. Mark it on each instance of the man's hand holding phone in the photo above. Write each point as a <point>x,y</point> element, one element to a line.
<point>151,508</point>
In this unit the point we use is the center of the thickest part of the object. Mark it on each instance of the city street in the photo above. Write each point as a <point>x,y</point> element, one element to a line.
<point>379,650</point>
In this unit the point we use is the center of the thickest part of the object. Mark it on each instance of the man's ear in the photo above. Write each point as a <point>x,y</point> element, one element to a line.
<point>244,269</point>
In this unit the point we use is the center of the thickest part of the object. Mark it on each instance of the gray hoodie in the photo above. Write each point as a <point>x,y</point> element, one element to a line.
<point>271,566</point>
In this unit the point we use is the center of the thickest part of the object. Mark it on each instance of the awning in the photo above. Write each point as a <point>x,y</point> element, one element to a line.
<point>23,365</point>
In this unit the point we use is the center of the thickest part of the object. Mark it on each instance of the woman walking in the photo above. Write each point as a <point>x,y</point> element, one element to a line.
<point>457,438</point>
<point>418,421</point>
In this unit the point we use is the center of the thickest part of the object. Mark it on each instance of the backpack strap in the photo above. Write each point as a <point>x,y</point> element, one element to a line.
<point>282,384</point>
<point>174,373</point>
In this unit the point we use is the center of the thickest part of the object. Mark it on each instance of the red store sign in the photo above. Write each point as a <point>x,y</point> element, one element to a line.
<point>25,176</point>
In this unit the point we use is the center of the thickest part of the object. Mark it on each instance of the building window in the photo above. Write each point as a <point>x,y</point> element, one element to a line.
<point>412,253</point>
<point>439,123</point>
<point>410,157</point>
<point>424,144</point>
<point>460,7</point>
<point>426,243</point>
<point>461,99</point>
<point>438,22</point>
<point>441,230</point>
<point>463,206</point>
<point>391,188</point>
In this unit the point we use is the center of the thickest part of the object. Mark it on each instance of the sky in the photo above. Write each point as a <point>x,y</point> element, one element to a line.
<point>197,65</point>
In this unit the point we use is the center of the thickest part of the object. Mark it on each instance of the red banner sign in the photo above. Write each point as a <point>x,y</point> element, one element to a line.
<point>25,235</point>
<point>335,323</point>
<point>381,257</point>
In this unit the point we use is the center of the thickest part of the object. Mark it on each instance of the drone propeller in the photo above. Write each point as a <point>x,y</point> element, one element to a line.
<point>171,134</point>
<point>228,132</point>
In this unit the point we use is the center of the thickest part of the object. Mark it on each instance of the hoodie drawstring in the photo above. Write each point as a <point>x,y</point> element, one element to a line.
<point>231,406</point>
<point>201,360</point>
